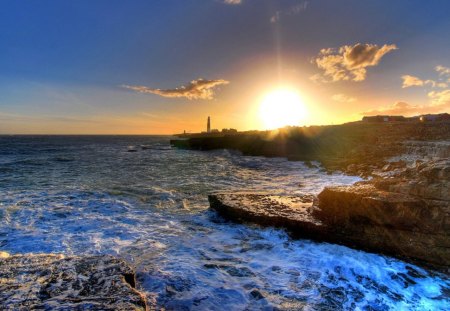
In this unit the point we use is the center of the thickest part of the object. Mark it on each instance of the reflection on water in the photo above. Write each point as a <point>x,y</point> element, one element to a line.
<point>86,195</point>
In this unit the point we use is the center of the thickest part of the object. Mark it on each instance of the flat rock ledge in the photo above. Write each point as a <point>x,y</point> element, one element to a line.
<point>55,282</point>
<point>293,213</point>
<point>359,216</point>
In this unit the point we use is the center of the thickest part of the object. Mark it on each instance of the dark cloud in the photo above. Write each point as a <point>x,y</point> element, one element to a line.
<point>196,89</point>
<point>349,62</point>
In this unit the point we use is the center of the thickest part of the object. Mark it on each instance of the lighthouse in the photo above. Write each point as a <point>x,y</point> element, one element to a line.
<point>208,125</point>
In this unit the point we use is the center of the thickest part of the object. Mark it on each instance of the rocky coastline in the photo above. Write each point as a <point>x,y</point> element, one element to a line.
<point>402,209</point>
<point>56,282</point>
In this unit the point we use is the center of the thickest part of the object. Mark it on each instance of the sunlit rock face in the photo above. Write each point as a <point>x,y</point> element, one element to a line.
<point>290,212</point>
<point>405,212</point>
<point>52,282</point>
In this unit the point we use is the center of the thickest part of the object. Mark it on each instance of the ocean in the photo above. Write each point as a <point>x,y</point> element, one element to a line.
<point>88,195</point>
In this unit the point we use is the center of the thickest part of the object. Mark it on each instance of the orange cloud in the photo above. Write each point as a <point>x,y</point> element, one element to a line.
<point>409,81</point>
<point>441,98</point>
<point>440,102</point>
<point>343,98</point>
<point>349,63</point>
<point>196,89</point>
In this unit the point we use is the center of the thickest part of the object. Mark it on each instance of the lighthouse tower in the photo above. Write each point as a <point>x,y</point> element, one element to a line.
<point>208,125</point>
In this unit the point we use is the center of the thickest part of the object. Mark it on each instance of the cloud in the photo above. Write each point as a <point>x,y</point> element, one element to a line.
<point>443,71</point>
<point>232,2</point>
<point>440,102</point>
<point>293,10</point>
<point>349,63</point>
<point>441,98</point>
<point>398,108</point>
<point>343,98</point>
<point>409,81</point>
<point>196,89</point>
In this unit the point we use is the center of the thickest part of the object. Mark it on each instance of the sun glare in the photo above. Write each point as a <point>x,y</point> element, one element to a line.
<point>280,108</point>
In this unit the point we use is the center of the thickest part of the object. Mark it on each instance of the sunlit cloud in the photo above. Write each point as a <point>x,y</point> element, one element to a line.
<point>342,98</point>
<point>349,63</point>
<point>440,102</point>
<point>196,89</point>
<point>293,10</point>
<point>442,70</point>
<point>441,98</point>
<point>409,81</point>
<point>233,2</point>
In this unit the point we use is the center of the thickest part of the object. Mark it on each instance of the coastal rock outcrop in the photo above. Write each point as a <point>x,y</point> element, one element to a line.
<point>290,212</point>
<point>402,209</point>
<point>55,282</point>
<point>403,212</point>
<point>359,216</point>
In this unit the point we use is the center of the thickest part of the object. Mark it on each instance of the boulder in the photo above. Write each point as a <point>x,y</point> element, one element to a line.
<point>55,282</point>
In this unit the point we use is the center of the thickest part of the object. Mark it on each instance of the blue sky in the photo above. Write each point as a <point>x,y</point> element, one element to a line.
<point>62,63</point>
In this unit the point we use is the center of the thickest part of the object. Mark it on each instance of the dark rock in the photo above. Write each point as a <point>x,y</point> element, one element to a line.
<point>55,282</point>
<point>256,294</point>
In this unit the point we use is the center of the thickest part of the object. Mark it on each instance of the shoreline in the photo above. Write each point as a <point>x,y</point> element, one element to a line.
<point>402,209</point>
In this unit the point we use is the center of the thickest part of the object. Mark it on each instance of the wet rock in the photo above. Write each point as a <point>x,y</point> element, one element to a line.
<point>256,294</point>
<point>405,213</point>
<point>54,282</point>
<point>290,212</point>
<point>364,204</point>
<point>386,222</point>
<point>359,216</point>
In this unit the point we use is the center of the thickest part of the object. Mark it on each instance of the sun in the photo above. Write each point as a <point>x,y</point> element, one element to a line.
<point>280,108</point>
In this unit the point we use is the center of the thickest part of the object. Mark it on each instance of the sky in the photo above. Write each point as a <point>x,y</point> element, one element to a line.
<point>162,67</point>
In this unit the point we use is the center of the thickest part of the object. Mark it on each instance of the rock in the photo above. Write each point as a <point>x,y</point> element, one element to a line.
<point>53,282</point>
<point>4,255</point>
<point>290,212</point>
<point>364,204</point>
<point>359,216</point>
<point>404,211</point>
<point>400,217</point>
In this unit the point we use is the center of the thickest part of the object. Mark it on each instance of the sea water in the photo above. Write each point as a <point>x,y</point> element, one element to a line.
<point>89,195</point>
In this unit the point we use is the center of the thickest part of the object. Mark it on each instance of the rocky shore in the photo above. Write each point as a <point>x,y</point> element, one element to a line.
<point>55,282</point>
<point>405,214</point>
<point>402,209</point>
